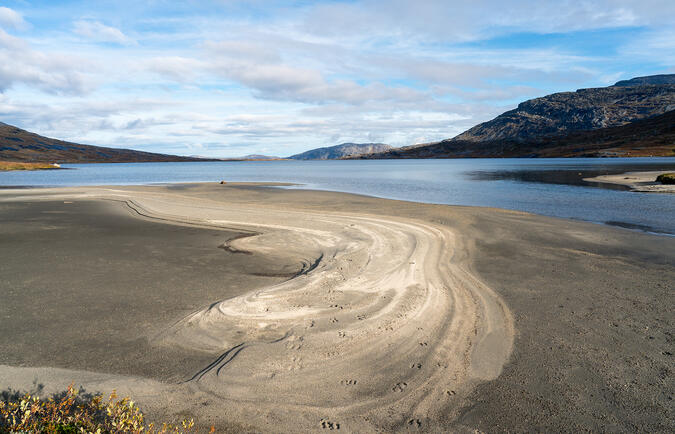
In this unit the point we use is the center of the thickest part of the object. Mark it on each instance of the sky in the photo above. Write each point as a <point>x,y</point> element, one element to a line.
<point>231,78</point>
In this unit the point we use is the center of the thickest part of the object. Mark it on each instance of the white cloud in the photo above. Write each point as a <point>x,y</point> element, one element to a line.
<point>177,68</point>
<point>10,18</point>
<point>456,21</point>
<point>99,32</point>
<point>52,73</point>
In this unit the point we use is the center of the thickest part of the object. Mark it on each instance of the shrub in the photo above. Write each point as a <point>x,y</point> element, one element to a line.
<point>666,178</point>
<point>12,165</point>
<point>70,412</point>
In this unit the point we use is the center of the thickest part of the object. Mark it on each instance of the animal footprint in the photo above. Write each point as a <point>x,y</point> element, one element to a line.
<point>415,423</point>
<point>296,364</point>
<point>342,334</point>
<point>423,344</point>
<point>399,387</point>
<point>348,382</point>
<point>327,424</point>
<point>360,317</point>
<point>416,365</point>
<point>336,306</point>
<point>450,392</point>
<point>334,320</point>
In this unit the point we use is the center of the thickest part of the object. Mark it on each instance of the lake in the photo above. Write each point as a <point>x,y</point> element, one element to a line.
<point>551,187</point>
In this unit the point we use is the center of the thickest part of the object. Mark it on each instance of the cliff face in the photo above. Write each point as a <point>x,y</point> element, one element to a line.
<point>341,151</point>
<point>20,145</point>
<point>585,109</point>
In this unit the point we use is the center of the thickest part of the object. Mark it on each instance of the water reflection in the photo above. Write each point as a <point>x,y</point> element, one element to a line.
<point>566,176</point>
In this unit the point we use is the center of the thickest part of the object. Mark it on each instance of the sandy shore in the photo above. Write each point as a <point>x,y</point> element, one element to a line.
<point>260,309</point>
<point>637,181</point>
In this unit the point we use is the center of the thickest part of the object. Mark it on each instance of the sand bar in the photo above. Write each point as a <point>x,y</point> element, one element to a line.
<point>375,315</point>
<point>637,181</point>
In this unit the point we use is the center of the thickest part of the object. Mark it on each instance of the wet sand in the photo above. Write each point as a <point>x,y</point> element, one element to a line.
<point>400,316</point>
<point>644,182</point>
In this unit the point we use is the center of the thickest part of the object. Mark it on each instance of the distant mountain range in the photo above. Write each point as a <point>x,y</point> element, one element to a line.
<point>631,118</point>
<point>341,151</point>
<point>20,145</point>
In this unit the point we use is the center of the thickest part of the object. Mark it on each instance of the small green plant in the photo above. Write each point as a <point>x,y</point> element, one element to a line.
<point>666,178</point>
<point>69,412</point>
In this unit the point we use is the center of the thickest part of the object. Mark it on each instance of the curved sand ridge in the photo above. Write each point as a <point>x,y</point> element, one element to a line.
<point>385,324</point>
<point>385,327</point>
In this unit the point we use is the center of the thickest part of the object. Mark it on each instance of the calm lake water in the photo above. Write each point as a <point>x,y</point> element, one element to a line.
<point>551,187</point>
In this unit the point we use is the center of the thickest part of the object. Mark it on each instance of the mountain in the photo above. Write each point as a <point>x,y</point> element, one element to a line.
<point>654,136</point>
<point>585,109</point>
<point>20,145</point>
<point>608,121</point>
<point>341,151</point>
<point>258,157</point>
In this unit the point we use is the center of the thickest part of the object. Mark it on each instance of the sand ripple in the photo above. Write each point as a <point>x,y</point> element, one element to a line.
<point>386,322</point>
<point>386,326</point>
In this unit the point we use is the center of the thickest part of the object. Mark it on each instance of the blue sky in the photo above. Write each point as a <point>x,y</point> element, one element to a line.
<point>230,78</point>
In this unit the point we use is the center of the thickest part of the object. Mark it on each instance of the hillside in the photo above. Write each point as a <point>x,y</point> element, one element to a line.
<point>631,118</point>
<point>585,109</point>
<point>20,145</point>
<point>648,137</point>
<point>341,151</point>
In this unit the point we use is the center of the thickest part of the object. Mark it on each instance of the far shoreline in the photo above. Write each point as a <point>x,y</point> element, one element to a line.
<point>325,175</point>
<point>589,182</point>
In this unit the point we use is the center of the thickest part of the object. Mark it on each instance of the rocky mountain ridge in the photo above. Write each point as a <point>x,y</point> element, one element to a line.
<point>631,118</point>
<point>585,109</point>
<point>653,136</point>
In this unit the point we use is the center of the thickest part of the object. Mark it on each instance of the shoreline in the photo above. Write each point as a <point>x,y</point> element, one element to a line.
<point>303,187</point>
<point>643,182</point>
<point>287,358</point>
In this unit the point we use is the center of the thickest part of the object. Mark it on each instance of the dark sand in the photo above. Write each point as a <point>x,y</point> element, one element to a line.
<point>84,284</point>
<point>592,305</point>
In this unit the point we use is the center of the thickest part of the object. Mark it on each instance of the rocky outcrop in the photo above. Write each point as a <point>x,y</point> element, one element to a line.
<point>341,151</point>
<point>648,80</point>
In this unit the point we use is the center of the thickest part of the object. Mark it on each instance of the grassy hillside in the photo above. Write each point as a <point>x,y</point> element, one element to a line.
<point>18,145</point>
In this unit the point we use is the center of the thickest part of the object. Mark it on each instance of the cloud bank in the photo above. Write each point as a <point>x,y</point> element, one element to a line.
<point>231,78</point>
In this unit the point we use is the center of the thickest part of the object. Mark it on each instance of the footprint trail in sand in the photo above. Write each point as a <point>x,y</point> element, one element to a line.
<point>384,325</point>
<point>382,330</point>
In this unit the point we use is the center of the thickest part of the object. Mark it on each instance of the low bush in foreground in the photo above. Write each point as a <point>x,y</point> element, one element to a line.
<point>70,412</point>
<point>666,178</point>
